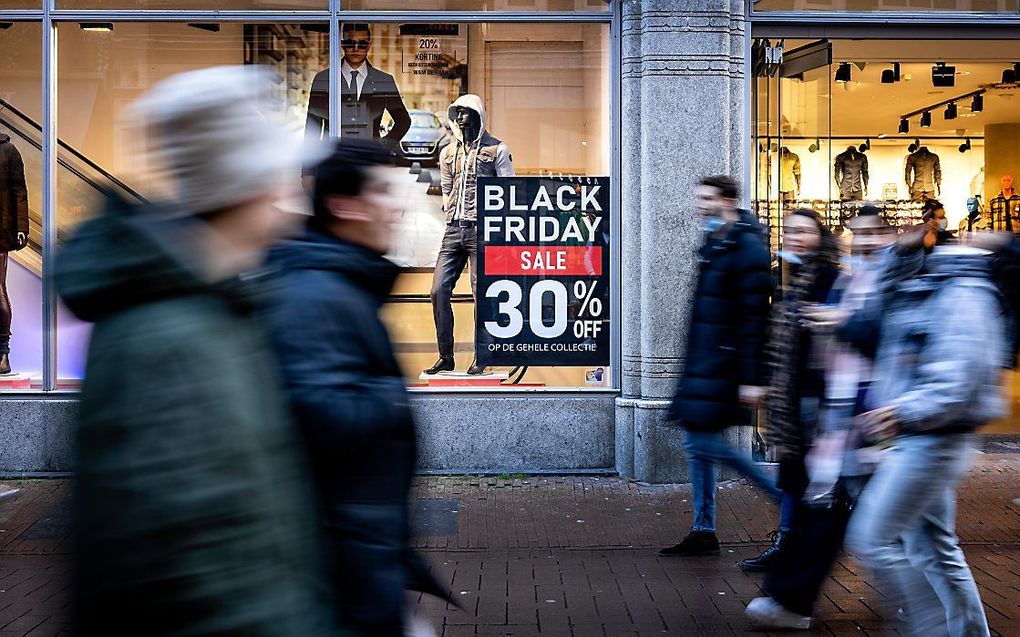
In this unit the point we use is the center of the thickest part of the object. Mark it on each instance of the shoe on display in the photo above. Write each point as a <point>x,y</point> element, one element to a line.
<point>5,364</point>
<point>444,364</point>
<point>695,544</point>
<point>769,613</point>
<point>770,556</point>
<point>475,368</point>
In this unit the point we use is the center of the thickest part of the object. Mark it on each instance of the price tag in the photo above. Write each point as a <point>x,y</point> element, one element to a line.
<point>543,271</point>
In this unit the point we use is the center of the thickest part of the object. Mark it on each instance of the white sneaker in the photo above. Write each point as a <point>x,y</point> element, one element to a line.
<point>769,613</point>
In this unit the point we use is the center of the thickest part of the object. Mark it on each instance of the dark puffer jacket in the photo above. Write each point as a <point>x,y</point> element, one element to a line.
<point>727,329</point>
<point>351,404</point>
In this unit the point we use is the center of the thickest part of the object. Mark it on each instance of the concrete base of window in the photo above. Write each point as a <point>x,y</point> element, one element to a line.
<point>37,435</point>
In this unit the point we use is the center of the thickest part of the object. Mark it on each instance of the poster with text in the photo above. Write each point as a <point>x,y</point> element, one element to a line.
<point>543,271</point>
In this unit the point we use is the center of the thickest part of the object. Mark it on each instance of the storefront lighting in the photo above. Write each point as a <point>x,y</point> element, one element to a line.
<point>891,76</point>
<point>950,111</point>
<point>205,26</point>
<point>813,148</point>
<point>914,145</point>
<point>977,104</point>
<point>964,147</point>
<point>99,27</point>
<point>1008,76</point>
<point>865,146</point>
<point>904,126</point>
<point>843,72</point>
<point>942,75</point>
<point>6,25</point>
<point>926,119</point>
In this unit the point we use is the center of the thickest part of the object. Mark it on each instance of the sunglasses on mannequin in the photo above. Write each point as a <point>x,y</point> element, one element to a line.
<point>356,44</point>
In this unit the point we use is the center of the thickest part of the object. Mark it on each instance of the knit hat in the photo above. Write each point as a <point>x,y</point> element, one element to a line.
<point>210,141</point>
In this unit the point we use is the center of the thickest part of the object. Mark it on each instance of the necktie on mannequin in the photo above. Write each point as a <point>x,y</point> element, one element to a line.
<point>354,84</point>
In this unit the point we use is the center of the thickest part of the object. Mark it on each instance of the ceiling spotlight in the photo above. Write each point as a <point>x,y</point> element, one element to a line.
<point>843,72</point>
<point>890,76</point>
<point>977,104</point>
<point>950,111</point>
<point>102,27</point>
<point>926,119</point>
<point>914,145</point>
<point>942,75</point>
<point>1008,76</point>
<point>904,126</point>
<point>205,26</point>
<point>964,147</point>
<point>813,148</point>
<point>865,146</point>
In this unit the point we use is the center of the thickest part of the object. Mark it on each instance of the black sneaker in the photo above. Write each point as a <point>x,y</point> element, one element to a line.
<point>696,543</point>
<point>770,556</point>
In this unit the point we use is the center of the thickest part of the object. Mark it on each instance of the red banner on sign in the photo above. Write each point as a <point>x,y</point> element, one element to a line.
<point>543,260</point>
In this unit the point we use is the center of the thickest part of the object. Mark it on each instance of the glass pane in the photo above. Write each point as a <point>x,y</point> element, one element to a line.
<point>21,293</point>
<point>20,4</point>
<point>981,6</point>
<point>476,5</point>
<point>546,92</point>
<point>103,70</point>
<point>219,5</point>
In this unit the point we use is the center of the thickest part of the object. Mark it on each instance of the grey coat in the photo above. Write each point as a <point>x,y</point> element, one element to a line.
<point>943,346</point>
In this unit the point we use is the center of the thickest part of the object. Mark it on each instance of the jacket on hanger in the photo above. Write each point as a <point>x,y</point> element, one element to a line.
<point>851,171</point>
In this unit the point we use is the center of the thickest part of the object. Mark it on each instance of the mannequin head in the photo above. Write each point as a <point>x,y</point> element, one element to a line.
<point>470,123</point>
<point>356,42</point>
<point>1007,182</point>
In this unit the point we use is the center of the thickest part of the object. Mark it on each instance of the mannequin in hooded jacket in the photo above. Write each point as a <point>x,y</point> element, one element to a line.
<point>13,233</point>
<point>475,153</point>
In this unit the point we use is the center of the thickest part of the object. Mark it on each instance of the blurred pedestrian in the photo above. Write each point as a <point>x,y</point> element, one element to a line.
<point>192,511</point>
<point>933,215</point>
<point>347,389</point>
<point>938,370</point>
<point>809,269</point>
<point>724,368</point>
<point>838,463</point>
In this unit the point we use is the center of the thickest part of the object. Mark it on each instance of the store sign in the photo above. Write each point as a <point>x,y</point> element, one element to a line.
<point>543,271</point>
<point>435,51</point>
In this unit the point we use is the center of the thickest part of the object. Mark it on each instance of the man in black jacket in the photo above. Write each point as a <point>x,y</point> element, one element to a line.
<point>723,371</point>
<point>346,388</point>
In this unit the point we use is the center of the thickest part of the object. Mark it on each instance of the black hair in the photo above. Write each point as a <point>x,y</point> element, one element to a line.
<point>726,186</point>
<point>828,248</point>
<point>929,208</point>
<point>345,171</point>
<point>351,27</point>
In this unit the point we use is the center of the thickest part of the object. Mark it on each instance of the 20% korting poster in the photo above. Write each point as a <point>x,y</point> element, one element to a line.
<point>543,271</point>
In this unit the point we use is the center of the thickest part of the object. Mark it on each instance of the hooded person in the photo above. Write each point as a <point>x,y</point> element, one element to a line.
<point>474,153</point>
<point>193,513</point>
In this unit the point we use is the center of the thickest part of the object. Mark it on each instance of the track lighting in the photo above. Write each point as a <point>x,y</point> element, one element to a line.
<point>964,147</point>
<point>942,75</point>
<point>977,104</point>
<point>890,76</point>
<point>914,145</point>
<point>950,111</point>
<point>865,146</point>
<point>101,27</point>
<point>904,126</point>
<point>843,72</point>
<point>813,148</point>
<point>926,119</point>
<point>1009,76</point>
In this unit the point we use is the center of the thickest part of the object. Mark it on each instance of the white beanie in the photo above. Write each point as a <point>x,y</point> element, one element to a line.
<point>215,146</point>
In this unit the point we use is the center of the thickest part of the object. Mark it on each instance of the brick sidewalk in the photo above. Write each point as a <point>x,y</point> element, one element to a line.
<point>566,556</point>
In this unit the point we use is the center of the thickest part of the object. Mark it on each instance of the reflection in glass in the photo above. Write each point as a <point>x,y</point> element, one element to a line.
<point>913,6</point>
<point>219,5</point>
<point>21,361</point>
<point>477,5</point>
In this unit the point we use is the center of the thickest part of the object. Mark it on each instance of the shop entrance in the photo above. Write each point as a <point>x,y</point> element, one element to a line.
<point>838,123</point>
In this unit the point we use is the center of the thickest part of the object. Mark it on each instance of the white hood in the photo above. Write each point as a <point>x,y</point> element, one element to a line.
<point>468,101</point>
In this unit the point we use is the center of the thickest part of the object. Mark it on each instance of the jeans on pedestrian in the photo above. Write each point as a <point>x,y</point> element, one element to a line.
<point>458,249</point>
<point>706,449</point>
<point>904,529</point>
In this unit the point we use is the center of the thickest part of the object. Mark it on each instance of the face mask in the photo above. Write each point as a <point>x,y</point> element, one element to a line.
<point>943,224</point>
<point>711,225</point>
<point>789,257</point>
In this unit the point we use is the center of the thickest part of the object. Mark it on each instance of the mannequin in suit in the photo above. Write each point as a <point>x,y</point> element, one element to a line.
<point>365,94</point>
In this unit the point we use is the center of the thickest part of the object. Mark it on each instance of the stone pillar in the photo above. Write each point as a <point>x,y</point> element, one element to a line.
<point>683,100</point>
<point>1002,156</point>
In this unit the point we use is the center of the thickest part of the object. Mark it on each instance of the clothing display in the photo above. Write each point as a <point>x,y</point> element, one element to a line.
<point>789,173</point>
<point>923,174</point>
<point>472,155</point>
<point>13,231</point>
<point>361,106</point>
<point>1004,212</point>
<point>850,168</point>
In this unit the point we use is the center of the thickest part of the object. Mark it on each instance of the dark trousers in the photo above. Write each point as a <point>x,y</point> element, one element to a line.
<point>459,247</point>
<point>797,579</point>
<point>5,308</point>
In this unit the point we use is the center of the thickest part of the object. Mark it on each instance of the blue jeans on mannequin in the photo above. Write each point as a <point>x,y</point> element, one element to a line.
<point>706,449</point>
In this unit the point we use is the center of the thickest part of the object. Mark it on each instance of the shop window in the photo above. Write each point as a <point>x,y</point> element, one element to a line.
<point>20,4</point>
<point>913,6</point>
<point>838,124</point>
<point>476,5</point>
<point>103,68</point>
<point>21,295</point>
<point>218,5</point>
<point>546,95</point>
